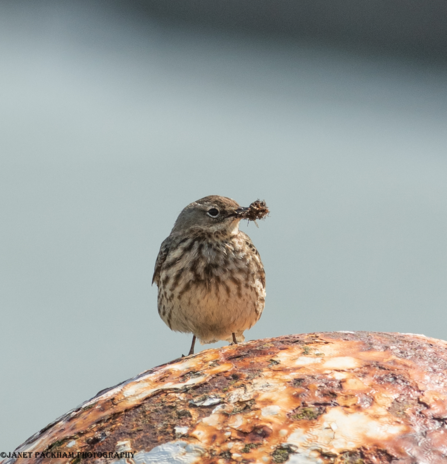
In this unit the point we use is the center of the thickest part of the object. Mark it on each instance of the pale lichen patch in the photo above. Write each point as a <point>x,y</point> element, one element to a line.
<point>272,410</point>
<point>356,428</point>
<point>305,360</point>
<point>342,363</point>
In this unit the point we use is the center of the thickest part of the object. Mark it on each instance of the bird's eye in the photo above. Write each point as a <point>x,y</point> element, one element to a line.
<point>213,212</point>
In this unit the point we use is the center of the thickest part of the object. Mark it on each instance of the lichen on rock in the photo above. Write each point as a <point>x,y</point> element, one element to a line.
<point>339,397</point>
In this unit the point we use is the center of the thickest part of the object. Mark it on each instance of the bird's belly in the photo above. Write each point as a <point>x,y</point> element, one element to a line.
<point>213,310</point>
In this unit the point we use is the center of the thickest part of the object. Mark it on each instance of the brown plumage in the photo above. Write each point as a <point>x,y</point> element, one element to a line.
<point>210,277</point>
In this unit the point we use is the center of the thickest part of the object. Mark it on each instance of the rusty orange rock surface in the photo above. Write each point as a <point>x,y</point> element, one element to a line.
<point>339,397</point>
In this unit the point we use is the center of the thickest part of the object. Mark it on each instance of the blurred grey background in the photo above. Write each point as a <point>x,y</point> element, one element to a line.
<point>115,115</point>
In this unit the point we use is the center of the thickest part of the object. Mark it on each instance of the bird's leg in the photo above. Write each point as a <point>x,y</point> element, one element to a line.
<point>191,351</point>
<point>234,339</point>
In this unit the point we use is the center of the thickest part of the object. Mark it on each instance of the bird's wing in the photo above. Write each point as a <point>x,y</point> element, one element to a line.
<point>260,266</point>
<point>161,258</point>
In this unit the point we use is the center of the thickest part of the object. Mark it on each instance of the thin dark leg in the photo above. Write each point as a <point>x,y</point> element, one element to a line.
<point>191,351</point>
<point>234,339</point>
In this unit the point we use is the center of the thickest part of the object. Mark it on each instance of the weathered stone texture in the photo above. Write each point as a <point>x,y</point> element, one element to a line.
<point>339,397</point>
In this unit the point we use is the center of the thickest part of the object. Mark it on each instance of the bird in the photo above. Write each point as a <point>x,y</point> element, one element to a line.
<point>210,277</point>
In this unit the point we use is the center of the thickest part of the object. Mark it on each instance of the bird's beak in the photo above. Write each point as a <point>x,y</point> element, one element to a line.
<point>239,212</point>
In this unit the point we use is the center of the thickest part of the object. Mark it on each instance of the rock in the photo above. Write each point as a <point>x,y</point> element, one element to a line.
<point>339,397</point>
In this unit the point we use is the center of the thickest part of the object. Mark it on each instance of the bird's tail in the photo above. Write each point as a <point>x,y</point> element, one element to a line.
<point>239,337</point>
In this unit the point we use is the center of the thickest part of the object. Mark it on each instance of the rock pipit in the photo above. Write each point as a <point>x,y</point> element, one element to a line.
<point>211,281</point>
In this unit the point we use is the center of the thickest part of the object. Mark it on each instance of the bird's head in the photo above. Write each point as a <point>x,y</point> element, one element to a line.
<point>213,213</point>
